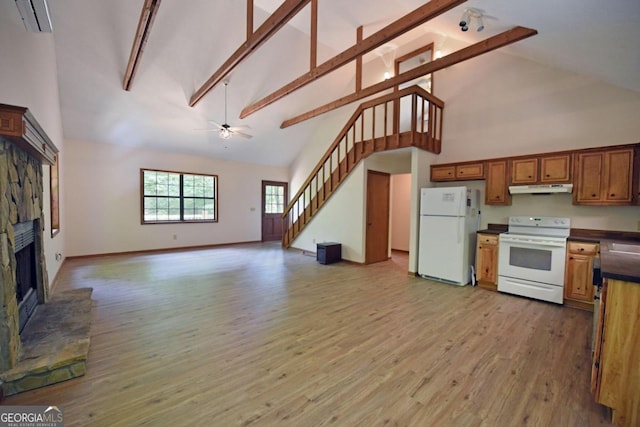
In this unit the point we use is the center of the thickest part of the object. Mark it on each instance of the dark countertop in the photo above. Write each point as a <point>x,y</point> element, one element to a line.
<point>495,229</point>
<point>490,231</point>
<point>619,266</point>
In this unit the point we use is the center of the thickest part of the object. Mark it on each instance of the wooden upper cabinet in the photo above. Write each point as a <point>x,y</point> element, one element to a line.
<point>541,170</point>
<point>524,171</point>
<point>604,177</point>
<point>470,171</point>
<point>443,173</point>
<point>466,171</point>
<point>497,189</point>
<point>618,179</point>
<point>555,169</point>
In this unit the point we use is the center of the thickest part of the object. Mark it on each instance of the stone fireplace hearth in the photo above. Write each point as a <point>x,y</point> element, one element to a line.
<point>54,343</point>
<point>20,202</point>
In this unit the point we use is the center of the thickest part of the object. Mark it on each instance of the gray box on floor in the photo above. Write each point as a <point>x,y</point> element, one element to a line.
<point>328,253</point>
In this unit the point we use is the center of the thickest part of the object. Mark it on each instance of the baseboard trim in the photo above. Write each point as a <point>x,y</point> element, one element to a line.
<point>161,250</point>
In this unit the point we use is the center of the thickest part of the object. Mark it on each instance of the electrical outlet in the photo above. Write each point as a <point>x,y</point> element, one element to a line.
<point>175,237</point>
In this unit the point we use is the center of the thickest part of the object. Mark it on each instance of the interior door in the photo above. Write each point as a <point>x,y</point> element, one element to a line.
<point>274,200</point>
<point>377,234</point>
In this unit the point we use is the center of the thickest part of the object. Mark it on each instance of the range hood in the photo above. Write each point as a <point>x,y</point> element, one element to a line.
<point>541,189</point>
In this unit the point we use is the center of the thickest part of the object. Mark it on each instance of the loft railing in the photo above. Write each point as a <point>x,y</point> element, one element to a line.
<point>404,118</point>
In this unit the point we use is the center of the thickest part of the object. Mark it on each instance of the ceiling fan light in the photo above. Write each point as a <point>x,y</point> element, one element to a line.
<point>224,133</point>
<point>480,24</point>
<point>465,28</point>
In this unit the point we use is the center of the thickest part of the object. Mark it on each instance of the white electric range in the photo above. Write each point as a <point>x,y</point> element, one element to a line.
<point>531,259</point>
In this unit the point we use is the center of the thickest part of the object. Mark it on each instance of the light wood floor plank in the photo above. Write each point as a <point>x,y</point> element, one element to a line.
<point>253,335</point>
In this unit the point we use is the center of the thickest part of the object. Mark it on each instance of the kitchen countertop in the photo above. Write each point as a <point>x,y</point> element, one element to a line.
<point>619,266</point>
<point>494,229</point>
<point>489,231</point>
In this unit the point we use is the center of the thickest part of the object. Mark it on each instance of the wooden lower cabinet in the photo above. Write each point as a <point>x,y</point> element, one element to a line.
<point>578,280</point>
<point>615,375</point>
<point>487,261</point>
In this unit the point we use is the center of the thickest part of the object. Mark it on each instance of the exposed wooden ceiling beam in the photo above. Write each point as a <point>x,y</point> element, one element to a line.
<point>419,16</point>
<point>313,36</point>
<point>287,10</point>
<point>249,18</point>
<point>147,16</point>
<point>503,39</point>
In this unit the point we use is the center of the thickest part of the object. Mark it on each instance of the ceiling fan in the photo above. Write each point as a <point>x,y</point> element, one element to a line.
<point>225,131</point>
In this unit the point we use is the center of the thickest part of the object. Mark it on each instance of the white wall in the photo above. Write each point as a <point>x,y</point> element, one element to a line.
<point>400,211</point>
<point>498,105</point>
<point>28,78</point>
<point>103,199</point>
<point>340,220</point>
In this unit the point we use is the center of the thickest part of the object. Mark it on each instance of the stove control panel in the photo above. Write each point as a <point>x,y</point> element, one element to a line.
<point>540,221</point>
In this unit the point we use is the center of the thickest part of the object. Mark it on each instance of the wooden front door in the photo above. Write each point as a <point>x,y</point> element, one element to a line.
<point>274,200</point>
<point>377,235</point>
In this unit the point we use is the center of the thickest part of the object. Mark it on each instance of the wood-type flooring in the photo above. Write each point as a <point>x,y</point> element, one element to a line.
<point>254,335</point>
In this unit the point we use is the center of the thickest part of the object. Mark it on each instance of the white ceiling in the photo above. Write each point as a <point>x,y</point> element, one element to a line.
<point>190,40</point>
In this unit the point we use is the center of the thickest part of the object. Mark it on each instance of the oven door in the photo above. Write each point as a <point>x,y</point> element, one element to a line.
<point>536,259</point>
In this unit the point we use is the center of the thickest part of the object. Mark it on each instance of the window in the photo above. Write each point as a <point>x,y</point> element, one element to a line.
<point>178,197</point>
<point>54,195</point>
<point>273,199</point>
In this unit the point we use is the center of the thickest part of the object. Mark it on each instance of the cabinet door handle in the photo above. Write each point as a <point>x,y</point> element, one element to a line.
<point>593,195</point>
<point>581,249</point>
<point>547,175</point>
<point>612,195</point>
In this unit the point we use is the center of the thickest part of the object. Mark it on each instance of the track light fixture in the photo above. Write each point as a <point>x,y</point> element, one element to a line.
<point>468,16</point>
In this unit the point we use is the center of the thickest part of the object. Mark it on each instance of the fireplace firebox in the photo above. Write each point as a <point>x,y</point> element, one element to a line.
<point>26,275</point>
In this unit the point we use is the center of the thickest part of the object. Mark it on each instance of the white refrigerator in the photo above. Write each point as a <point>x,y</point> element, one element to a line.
<point>449,220</point>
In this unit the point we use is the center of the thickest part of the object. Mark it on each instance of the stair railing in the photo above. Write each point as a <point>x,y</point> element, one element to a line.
<point>403,118</point>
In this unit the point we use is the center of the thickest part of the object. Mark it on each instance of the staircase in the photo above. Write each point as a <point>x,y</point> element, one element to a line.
<point>410,117</point>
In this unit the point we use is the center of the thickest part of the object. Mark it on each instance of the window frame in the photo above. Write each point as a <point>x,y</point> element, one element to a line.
<point>181,198</point>
<point>54,195</point>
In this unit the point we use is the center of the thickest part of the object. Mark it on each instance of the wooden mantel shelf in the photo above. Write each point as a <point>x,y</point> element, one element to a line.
<point>19,126</point>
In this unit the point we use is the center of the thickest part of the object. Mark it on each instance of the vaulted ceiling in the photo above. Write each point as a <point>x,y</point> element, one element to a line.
<point>189,40</point>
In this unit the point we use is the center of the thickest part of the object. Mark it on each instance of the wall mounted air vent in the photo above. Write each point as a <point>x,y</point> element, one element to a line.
<point>35,15</point>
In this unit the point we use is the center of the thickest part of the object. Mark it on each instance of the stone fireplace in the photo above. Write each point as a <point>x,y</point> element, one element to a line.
<point>21,210</point>
<point>42,340</point>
